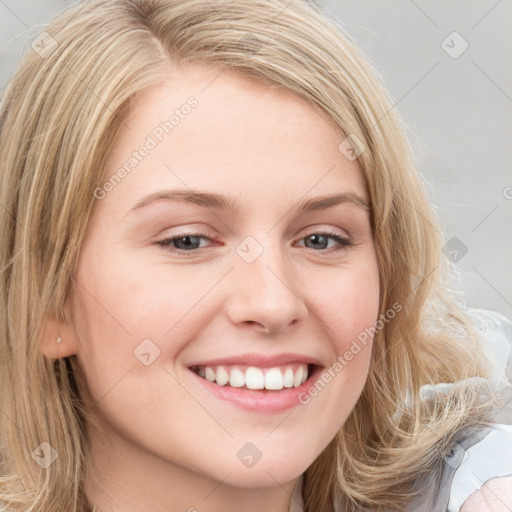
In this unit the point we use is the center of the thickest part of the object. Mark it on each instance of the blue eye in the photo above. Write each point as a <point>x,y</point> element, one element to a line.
<point>184,243</point>
<point>191,242</point>
<point>321,241</point>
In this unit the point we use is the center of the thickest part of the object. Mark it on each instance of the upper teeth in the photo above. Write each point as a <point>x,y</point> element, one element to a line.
<point>252,377</point>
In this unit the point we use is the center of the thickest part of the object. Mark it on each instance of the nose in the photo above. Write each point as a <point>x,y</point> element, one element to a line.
<point>265,295</point>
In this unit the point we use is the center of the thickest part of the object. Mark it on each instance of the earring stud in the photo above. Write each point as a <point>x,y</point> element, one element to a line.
<point>59,339</point>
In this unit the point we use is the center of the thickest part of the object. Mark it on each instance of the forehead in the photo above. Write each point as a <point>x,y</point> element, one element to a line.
<point>241,135</point>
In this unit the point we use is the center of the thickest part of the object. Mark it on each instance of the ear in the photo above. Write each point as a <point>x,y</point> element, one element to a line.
<point>52,330</point>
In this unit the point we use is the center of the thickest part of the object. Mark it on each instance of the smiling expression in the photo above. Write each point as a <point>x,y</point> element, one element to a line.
<point>225,246</point>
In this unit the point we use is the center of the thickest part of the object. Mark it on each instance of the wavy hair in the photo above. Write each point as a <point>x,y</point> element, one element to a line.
<point>59,118</point>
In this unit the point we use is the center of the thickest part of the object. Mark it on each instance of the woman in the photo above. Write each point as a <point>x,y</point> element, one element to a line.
<point>223,286</point>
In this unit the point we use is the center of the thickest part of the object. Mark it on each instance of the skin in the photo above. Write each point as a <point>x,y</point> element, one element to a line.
<point>160,441</point>
<point>494,496</point>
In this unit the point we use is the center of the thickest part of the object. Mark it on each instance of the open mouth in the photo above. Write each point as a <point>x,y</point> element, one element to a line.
<point>274,378</point>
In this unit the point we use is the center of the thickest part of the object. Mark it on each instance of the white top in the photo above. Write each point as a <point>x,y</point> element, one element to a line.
<point>487,459</point>
<point>475,456</point>
<point>464,472</point>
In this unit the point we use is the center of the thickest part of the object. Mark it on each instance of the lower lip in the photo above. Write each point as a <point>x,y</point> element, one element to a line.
<point>261,399</point>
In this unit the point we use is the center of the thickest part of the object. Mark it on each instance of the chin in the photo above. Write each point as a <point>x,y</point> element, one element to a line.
<point>263,476</point>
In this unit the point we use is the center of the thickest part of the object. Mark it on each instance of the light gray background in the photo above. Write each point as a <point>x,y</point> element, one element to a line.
<point>458,111</point>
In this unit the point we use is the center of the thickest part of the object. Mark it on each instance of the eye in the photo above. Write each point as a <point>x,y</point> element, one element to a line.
<point>321,241</point>
<point>191,242</point>
<point>187,242</point>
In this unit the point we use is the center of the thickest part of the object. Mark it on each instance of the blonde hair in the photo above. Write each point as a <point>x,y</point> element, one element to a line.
<point>59,120</point>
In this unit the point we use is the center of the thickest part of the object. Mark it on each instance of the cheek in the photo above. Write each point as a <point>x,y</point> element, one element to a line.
<point>143,293</point>
<point>349,303</point>
<point>127,307</point>
<point>347,310</point>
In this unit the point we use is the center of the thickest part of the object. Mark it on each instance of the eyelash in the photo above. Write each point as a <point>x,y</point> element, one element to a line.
<point>166,243</point>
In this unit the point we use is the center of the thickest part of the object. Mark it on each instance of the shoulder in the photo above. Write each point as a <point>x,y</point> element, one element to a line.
<point>481,464</point>
<point>494,496</point>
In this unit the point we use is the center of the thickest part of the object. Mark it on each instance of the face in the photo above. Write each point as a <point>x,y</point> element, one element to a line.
<point>250,279</point>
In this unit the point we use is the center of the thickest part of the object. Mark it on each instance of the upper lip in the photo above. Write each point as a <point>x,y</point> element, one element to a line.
<point>263,361</point>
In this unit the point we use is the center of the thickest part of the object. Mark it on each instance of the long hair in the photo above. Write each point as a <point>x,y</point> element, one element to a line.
<point>59,118</point>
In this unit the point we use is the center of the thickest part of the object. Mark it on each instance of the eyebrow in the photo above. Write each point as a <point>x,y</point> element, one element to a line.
<point>220,202</point>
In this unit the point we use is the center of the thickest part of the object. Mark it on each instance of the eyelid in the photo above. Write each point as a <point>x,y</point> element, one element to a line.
<point>343,241</point>
<point>325,230</point>
<point>198,234</point>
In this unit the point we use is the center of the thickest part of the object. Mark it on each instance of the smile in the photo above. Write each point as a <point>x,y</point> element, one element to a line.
<point>252,377</point>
